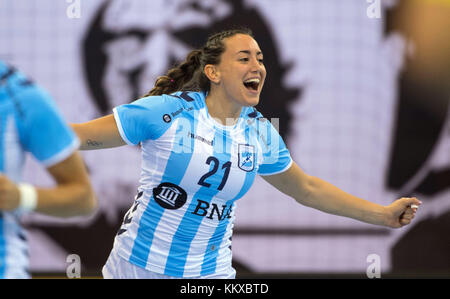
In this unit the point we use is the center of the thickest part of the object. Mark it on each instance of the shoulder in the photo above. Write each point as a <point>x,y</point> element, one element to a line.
<point>183,103</point>
<point>150,117</point>
<point>32,105</point>
<point>3,69</point>
<point>187,100</point>
<point>18,87</point>
<point>195,100</point>
<point>31,102</point>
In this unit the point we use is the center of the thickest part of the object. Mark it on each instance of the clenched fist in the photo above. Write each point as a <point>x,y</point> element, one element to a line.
<point>402,211</point>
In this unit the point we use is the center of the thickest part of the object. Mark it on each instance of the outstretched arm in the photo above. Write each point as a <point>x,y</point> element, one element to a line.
<point>319,194</point>
<point>98,133</point>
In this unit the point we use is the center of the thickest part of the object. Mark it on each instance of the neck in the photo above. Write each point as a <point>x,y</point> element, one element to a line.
<point>222,109</point>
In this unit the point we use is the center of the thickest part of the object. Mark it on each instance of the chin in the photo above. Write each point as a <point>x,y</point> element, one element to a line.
<point>251,101</point>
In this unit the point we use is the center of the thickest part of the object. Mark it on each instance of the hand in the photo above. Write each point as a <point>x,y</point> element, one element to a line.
<point>400,212</point>
<point>9,194</point>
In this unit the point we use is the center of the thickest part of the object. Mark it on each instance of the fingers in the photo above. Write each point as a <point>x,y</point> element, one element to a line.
<point>412,208</point>
<point>412,202</point>
<point>411,205</point>
<point>409,214</point>
<point>405,222</point>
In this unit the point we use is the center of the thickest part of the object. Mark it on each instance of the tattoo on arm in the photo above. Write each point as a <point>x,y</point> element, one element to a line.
<point>93,143</point>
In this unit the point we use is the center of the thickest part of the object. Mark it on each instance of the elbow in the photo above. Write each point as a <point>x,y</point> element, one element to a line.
<point>306,190</point>
<point>89,203</point>
<point>92,203</point>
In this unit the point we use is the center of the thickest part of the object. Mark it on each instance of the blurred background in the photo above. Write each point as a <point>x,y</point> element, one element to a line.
<point>361,89</point>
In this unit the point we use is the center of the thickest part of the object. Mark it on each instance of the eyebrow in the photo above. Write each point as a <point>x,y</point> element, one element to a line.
<point>248,52</point>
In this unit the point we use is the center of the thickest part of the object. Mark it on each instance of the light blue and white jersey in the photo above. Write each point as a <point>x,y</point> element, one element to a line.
<point>193,171</point>
<point>29,122</point>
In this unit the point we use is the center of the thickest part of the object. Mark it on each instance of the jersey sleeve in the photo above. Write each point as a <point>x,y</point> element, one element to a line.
<point>146,118</point>
<point>43,131</point>
<point>275,155</point>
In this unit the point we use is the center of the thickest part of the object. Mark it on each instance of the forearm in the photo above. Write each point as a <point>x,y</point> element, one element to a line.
<point>67,200</point>
<point>328,198</point>
<point>72,194</point>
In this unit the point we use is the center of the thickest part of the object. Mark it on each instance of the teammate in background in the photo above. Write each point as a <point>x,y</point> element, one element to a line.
<point>202,145</point>
<point>29,122</point>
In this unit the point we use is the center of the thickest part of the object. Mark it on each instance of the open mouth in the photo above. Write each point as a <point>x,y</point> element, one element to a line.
<point>252,84</point>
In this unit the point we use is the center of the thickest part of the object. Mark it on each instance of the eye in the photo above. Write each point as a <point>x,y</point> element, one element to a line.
<point>261,60</point>
<point>243,59</point>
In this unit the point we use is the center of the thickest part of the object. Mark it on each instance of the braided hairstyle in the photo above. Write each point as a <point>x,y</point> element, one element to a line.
<point>188,75</point>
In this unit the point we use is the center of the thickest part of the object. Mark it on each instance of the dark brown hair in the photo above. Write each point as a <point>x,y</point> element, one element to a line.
<point>189,75</point>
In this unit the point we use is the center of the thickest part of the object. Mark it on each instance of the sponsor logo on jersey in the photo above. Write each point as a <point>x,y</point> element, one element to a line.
<point>174,114</point>
<point>213,211</point>
<point>246,157</point>
<point>169,196</point>
<point>200,138</point>
<point>167,118</point>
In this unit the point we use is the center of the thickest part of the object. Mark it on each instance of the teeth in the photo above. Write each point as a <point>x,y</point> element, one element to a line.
<point>255,80</point>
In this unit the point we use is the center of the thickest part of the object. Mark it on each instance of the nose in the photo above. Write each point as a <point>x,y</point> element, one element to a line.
<point>256,66</point>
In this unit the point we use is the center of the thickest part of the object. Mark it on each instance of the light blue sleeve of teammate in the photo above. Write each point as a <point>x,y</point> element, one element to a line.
<point>42,130</point>
<point>146,118</point>
<point>276,157</point>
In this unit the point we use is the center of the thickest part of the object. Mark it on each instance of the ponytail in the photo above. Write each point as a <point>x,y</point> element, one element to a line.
<point>178,76</point>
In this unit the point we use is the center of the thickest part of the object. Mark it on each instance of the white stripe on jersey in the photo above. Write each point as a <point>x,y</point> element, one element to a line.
<point>13,155</point>
<point>170,219</point>
<point>205,246</point>
<point>154,162</point>
<point>13,248</point>
<point>16,249</point>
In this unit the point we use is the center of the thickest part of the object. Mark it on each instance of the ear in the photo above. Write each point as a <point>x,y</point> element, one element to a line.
<point>212,73</point>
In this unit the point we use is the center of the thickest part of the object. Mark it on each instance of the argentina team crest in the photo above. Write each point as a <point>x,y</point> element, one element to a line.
<point>246,157</point>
